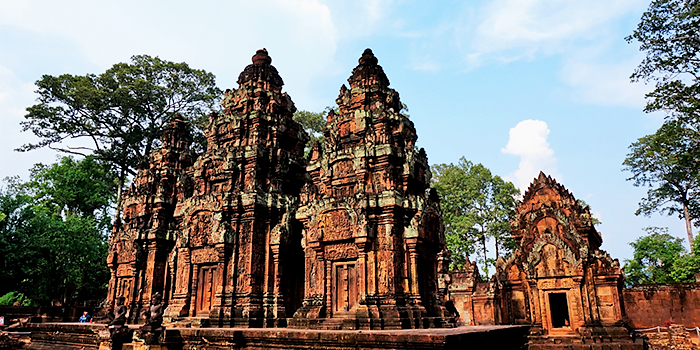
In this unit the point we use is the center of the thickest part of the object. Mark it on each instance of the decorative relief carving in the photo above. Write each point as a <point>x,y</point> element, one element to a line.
<point>228,197</point>
<point>342,251</point>
<point>343,168</point>
<point>200,229</point>
<point>204,256</point>
<point>124,270</point>
<point>335,225</point>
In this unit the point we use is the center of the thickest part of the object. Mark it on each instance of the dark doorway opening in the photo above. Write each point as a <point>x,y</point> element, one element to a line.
<point>559,310</point>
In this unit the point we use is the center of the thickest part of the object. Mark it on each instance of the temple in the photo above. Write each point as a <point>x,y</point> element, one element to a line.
<point>247,235</point>
<point>253,234</point>
<point>372,228</point>
<point>557,281</point>
<point>144,236</point>
<point>214,233</point>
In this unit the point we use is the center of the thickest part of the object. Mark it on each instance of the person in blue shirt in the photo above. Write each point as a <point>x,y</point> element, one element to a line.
<point>85,318</point>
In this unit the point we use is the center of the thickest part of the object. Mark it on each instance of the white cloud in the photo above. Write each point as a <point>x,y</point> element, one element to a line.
<point>301,36</point>
<point>605,83</point>
<point>217,36</point>
<point>424,64</point>
<point>584,34</point>
<point>528,140</point>
<point>515,29</point>
<point>359,18</point>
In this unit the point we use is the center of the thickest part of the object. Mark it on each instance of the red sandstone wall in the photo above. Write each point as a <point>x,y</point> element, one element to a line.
<point>652,305</point>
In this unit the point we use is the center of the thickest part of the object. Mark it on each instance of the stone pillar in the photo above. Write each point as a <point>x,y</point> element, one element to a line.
<point>277,307</point>
<point>179,305</point>
<point>217,313</point>
<point>411,244</point>
<point>329,287</point>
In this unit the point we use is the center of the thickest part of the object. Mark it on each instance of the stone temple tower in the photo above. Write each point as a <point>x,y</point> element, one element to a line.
<point>216,235</point>
<point>144,236</point>
<point>235,215</point>
<point>372,228</point>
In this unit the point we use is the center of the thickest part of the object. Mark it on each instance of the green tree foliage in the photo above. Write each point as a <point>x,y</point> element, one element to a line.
<point>594,219</point>
<point>119,115</point>
<point>54,247</point>
<point>313,124</point>
<point>666,161</point>
<point>15,299</point>
<point>661,258</point>
<point>669,33</point>
<point>476,207</point>
<point>74,188</point>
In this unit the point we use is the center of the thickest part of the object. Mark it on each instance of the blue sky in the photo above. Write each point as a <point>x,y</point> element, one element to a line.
<point>517,85</point>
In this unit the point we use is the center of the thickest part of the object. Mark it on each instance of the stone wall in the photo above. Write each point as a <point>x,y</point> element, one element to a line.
<point>44,313</point>
<point>47,336</point>
<point>675,338</point>
<point>653,305</point>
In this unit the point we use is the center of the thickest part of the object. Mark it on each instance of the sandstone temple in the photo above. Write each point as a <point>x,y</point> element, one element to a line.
<point>254,234</point>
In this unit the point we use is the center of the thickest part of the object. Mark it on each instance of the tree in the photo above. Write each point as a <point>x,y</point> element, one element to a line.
<point>594,220</point>
<point>119,115</point>
<point>53,238</point>
<point>476,206</point>
<point>313,124</point>
<point>74,187</point>
<point>667,162</point>
<point>668,33</point>
<point>660,258</point>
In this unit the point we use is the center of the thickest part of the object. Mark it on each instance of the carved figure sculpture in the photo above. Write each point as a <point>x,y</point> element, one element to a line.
<point>154,316</point>
<point>151,332</point>
<point>118,332</point>
<point>119,312</point>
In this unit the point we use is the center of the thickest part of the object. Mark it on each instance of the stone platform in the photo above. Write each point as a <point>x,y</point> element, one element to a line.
<point>75,336</point>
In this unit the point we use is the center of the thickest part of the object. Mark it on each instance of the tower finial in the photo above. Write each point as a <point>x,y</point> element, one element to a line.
<point>261,57</point>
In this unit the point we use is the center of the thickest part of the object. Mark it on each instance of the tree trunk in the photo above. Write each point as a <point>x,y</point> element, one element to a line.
<point>483,246</point>
<point>688,226</point>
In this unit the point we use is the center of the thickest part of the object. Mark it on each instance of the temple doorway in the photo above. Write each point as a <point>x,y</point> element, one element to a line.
<point>559,310</point>
<point>345,287</point>
<point>205,289</point>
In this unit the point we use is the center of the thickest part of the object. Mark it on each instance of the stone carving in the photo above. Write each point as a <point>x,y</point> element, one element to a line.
<point>557,280</point>
<point>211,232</point>
<point>220,235</point>
<point>342,251</point>
<point>118,332</point>
<point>119,318</point>
<point>143,236</point>
<point>200,229</point>
<point>335,225</point>
<point>152,331</point>
<point>371,246</point>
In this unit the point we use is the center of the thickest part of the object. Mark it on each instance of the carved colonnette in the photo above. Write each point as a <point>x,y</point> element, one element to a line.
<point>372,232</point>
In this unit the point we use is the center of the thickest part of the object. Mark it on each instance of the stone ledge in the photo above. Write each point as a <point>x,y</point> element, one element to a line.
<point>84,336</point>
